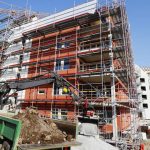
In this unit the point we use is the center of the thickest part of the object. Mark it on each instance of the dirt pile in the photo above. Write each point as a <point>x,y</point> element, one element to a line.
<point>36,130</point>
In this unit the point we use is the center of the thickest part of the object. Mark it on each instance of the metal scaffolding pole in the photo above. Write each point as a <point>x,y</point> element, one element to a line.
<point>113,89</point>
<point>113,93</point>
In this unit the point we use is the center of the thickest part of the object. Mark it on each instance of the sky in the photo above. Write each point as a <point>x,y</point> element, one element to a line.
<point>138,14</point>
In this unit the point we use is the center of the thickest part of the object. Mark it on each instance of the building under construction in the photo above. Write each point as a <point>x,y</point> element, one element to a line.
<point>89,46</point>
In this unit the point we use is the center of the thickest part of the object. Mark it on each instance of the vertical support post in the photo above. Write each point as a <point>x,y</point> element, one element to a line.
<point>113,101</point>
<point>113,91</point>
<point>77,62</point>
<point>1,102</point>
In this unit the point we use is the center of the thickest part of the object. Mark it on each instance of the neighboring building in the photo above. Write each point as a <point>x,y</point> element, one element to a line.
<point>143,90</point>
<point>90,47</point>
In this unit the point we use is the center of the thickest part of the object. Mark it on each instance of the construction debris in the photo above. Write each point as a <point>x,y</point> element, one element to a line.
<point>36,130</point>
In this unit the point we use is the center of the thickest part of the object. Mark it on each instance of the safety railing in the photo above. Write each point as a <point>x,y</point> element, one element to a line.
<point>91,30</point>
<point>100,45</point>
<point>95,91</point>
<point>91,94</point>
<point>94,67</point>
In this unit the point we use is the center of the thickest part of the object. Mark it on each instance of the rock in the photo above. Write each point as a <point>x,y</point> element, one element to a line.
<point>48,138</point>
<point>65,134</point>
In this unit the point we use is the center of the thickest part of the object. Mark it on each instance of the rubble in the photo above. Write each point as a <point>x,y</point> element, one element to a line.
<point>36,130</point>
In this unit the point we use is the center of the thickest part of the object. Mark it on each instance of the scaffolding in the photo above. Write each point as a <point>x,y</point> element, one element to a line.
<point>90,46</point>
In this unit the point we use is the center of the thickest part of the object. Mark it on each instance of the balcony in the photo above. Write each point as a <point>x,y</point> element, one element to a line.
<point>96,93</point>
<point>94,45</point>
<point>94,29</point>
<point>97,46</point>
<point>94,67</point>
<point>94,96</point>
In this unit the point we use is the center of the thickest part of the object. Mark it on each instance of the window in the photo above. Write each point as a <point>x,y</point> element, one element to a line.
<point>63,45</point>
<point>142,80</point>
<point>64,114</point>
<point>59,45</point>
<point>140,114</point>
<point>144,96</point>
<point>55,113</point>
<point>145,105</point>
<point>21,59</point>
<point>143,88</point>
<point>59,114</point>
<point>67,44</point>
<point>62,64</point>
<point>66,63</point>
<point>108,114</point>
<point>58,65</point>
<point>41,92</point>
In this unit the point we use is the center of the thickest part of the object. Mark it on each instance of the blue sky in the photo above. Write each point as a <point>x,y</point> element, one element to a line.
<point>139,18</point>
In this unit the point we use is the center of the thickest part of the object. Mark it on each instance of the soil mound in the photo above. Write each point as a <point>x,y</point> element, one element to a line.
<point>36,130</point>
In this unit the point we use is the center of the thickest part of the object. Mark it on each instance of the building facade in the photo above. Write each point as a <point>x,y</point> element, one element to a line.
<point>89,45</point>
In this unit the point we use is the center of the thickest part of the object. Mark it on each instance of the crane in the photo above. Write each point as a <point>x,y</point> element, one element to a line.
<point>20,85</point>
